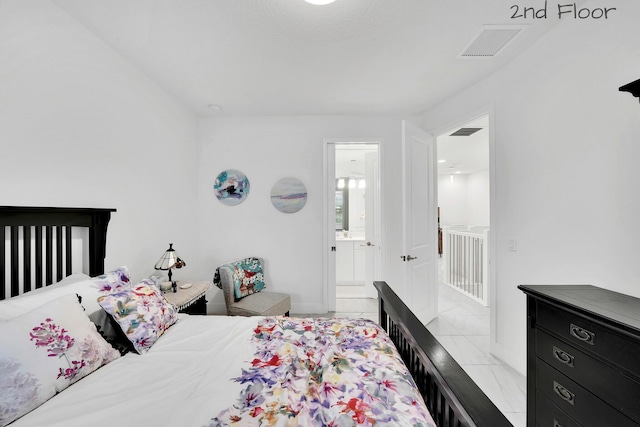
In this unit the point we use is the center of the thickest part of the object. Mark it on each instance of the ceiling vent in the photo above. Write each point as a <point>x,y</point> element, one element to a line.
<point>490,40</point>
<point>465,131</point>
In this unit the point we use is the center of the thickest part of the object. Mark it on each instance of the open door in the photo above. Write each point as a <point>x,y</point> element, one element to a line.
<point>373,239</point>
<point>329,243</point>
<point>419,186</point>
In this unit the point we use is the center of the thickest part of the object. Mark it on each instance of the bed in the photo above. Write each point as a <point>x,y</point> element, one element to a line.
<point>206,370</point>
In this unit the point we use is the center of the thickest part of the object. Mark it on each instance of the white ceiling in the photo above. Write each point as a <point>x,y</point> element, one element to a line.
<point>288,57</point>
<point>464,154</point>
<point>350,159</point>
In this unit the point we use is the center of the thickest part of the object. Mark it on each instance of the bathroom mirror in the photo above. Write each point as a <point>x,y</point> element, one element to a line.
<point>342,210</point>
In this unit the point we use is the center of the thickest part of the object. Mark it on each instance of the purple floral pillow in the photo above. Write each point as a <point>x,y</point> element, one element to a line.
<point>142,313</point>
<point>113,281</point>
<point>45,350</point>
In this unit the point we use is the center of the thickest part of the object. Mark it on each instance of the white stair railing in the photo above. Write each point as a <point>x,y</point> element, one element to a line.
<point>466,258</point>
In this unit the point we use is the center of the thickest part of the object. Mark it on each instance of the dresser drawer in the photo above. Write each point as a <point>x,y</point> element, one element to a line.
<point>574,400</point>
<point>619,350</point>
<point>618,390</point>
<point>549,415</point>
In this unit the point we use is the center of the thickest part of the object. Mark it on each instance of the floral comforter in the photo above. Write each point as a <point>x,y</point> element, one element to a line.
<point>324,372</point>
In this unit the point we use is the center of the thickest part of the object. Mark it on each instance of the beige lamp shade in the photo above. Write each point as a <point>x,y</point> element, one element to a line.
<point>170,259</point>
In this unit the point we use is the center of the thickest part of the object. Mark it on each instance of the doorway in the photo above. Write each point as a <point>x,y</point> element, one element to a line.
<point>465,183</point>
<point>352,219</point>
<point>464,200</point>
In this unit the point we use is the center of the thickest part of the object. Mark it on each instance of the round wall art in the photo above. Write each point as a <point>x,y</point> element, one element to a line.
<point>289,195</point>
<point>231,187</point>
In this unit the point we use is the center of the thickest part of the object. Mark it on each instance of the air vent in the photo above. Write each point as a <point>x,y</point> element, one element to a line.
<point>490,41</point>
<point>465,131</point>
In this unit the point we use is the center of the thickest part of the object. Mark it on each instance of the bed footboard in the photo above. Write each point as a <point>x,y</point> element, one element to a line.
<point>451,396</point>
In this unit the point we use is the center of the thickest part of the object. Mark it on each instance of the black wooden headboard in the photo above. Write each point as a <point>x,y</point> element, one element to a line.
<point>46,226</point>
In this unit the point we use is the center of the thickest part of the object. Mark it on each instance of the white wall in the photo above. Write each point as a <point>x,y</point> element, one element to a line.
<point>267,149</point>
<point>478,202</point>
<point>452,200</point>
<point>80,127</point>
<point>465,200</point>
<point>565,155</point>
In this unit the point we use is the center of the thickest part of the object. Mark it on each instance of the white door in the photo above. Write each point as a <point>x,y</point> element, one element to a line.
<point>330,227</point>
<point>419,222</point>
<point>372,223</point>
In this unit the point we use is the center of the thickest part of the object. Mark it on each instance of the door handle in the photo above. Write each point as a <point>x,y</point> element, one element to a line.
<point>370,244</point>
<point>411,258</point>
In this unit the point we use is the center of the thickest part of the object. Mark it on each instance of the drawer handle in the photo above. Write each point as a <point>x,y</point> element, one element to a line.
<point>564,393</point>
<point>556,424</point>
<point>582,334</point>
<point>563,356</point>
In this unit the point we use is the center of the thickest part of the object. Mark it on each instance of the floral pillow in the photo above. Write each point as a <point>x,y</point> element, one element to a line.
<point>248,276</point>
<point>113,281</point>
<point>44,351</point>
<point>141,312</point>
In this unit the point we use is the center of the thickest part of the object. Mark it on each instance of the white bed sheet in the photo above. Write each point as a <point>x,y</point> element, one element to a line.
<point>184,380</point>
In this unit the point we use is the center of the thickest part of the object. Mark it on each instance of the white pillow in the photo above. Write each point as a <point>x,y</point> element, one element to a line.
<point>88,289</point>
<point>24,303</point>
<point>45,350</point>
<point>73,278</point>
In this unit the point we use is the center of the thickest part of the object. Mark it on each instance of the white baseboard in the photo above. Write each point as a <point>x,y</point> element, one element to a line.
<point>509,357</point>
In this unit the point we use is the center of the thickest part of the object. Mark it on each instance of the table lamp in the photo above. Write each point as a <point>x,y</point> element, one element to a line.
<point>170,259</point>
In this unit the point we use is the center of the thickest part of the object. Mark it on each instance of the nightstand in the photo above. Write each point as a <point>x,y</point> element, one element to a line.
<point>191,300</point>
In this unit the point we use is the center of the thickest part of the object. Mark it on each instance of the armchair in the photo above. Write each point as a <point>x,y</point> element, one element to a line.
<point>242,282</point>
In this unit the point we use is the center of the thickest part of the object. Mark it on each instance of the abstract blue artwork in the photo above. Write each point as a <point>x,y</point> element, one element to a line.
<point>231,187</point>
<point>289,195</point>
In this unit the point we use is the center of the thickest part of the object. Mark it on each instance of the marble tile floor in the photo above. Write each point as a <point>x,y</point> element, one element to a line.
<point>463,329</point>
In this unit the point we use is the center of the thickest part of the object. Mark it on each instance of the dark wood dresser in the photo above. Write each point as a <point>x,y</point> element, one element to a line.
<point>583,357</point>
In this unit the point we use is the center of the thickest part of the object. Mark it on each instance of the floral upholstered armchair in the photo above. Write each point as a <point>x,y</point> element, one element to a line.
<point>242,282</point>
